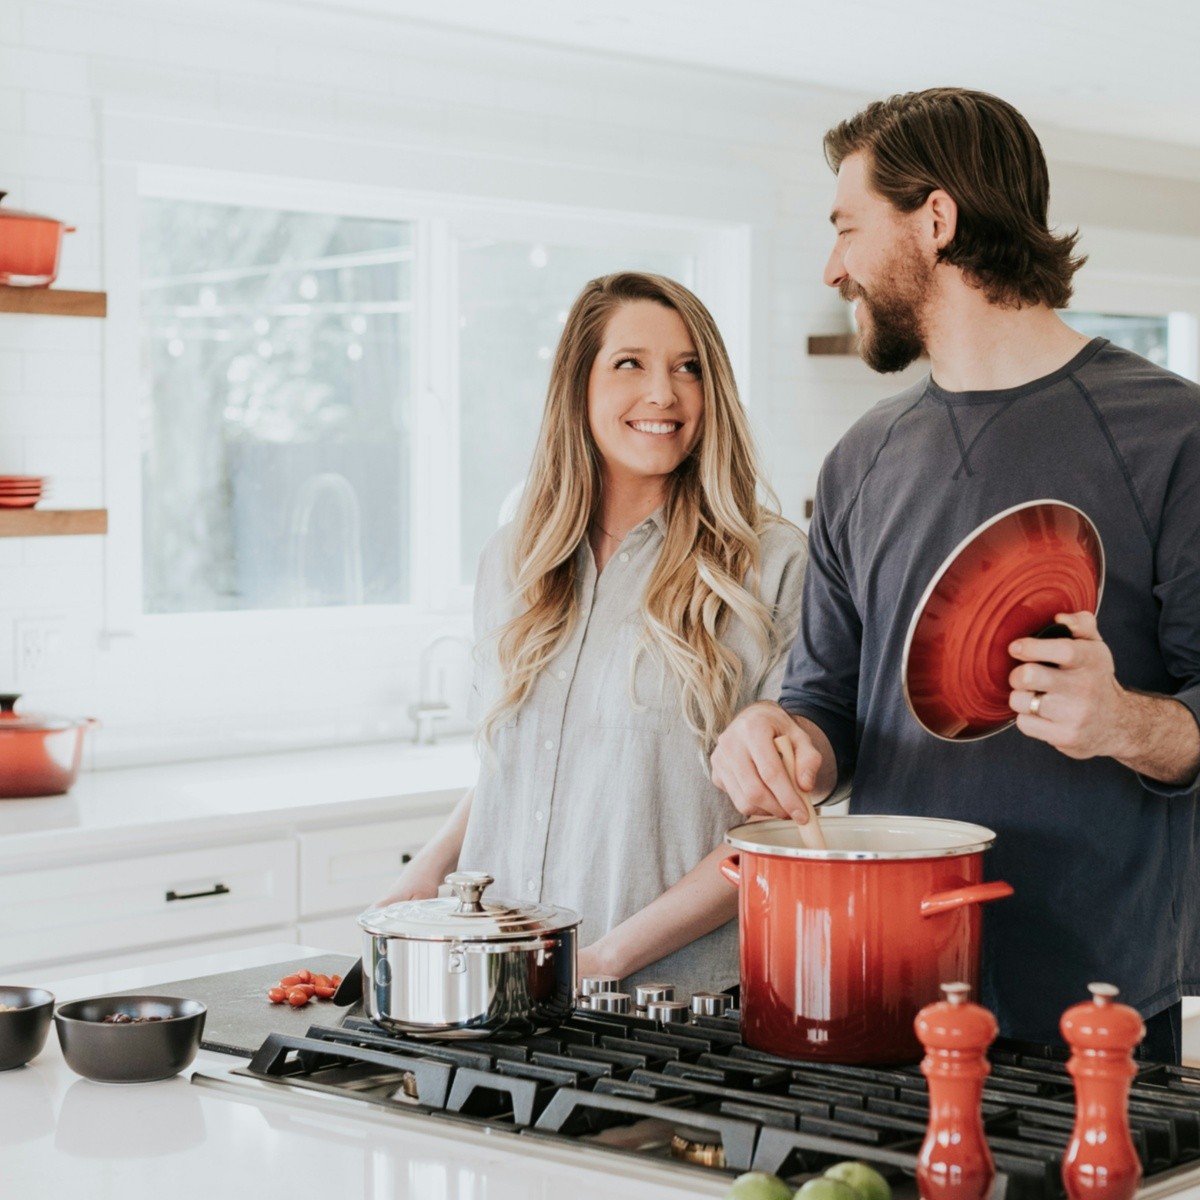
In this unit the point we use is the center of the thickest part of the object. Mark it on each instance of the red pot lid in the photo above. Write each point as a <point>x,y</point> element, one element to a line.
<point>34,721</point>
<point>1007,579</point>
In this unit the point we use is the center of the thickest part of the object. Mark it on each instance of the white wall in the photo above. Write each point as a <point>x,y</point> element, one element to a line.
<point>89,90</point>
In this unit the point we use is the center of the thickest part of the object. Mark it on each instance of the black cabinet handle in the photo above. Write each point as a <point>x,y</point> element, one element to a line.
<point>218,889</point>
<point>405,858</point>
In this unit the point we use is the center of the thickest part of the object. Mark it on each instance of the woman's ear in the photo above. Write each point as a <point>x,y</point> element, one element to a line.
<point>942,211</point>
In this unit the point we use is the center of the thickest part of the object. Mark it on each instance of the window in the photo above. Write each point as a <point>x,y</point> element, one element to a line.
<point>277,379</point>
<point>1147,336</point>
<point>339,402</point>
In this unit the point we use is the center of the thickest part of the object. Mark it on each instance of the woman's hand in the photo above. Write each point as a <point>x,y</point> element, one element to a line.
<point>593,960</point>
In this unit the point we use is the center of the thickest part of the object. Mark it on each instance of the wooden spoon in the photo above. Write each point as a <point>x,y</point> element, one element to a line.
<point>810,831</point>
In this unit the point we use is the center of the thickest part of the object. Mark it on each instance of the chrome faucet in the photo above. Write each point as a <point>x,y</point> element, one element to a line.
<point>431,706</point>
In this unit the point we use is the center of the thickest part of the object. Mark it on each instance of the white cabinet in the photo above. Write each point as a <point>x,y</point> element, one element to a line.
<point>90,910</point>
<point>344,869</point>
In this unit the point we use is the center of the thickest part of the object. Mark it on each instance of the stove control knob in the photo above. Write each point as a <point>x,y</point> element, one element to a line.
<point>669,1012</point>
<point>589,985</point>
<point>710,1004</point>
<point>611,1002</point>
<point>649,993</point>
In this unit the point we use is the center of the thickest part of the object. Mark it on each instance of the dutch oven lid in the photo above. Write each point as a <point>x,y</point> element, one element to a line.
<point>464,916</point>
<point>865,837</point>
<point>39,721</point>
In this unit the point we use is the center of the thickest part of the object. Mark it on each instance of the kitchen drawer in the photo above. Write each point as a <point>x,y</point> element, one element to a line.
<point>90,910</point>
<point>344,869</point>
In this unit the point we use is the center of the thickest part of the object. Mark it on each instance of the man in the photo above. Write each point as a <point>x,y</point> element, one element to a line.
<point>941,239</point>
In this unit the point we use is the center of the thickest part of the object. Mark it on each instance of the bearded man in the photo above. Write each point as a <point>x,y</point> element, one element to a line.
<point>941,239</point>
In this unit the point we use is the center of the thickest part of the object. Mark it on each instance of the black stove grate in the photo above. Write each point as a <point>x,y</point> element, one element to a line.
<point>629,1085</point>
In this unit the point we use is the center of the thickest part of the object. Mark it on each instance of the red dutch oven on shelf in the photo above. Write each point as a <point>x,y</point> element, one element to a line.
<point>29,247</point>
<point>39,755</point>
<point>840,948</point>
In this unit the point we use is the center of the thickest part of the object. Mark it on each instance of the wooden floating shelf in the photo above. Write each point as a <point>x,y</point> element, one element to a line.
<point>52,522</point>
<point>53,302</point>
<point>833,343</point>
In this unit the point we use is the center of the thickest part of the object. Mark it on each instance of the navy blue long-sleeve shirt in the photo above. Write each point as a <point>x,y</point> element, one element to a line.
<point>1104,863</point>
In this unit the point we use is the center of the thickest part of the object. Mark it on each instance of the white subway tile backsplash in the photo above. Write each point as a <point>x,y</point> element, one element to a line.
<point>12,371</point>
<point>22,332</point>
<point>46,372</point>
<point>86,31</point>
<point>23,67</point>
<point>58,113</point>
<point>12,108</point>
<point>224,48</point>
<point>46,157</point>
<point>49,415</point>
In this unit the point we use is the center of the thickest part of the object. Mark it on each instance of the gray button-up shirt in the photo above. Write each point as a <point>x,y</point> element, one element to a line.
<point>595,804</point>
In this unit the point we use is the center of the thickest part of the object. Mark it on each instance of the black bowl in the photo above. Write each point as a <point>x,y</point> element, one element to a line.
<point>133,1052</point>
<point>23,1029</point>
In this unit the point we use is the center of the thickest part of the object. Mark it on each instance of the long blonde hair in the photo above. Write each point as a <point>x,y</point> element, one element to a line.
<point>709,565</point>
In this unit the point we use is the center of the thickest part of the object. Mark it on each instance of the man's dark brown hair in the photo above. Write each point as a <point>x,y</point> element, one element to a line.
<point>982,152</point>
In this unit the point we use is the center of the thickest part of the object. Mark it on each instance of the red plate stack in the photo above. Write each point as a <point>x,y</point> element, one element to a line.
<point>20,491</point>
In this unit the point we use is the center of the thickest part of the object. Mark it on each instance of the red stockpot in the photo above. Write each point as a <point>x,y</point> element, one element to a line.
<point>39,755</point>
<point>840,948</point>
<point>29,247</point>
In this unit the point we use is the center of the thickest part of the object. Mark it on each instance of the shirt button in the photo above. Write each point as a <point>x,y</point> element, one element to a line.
<point>549,744</point>
<point>624,556</point>
<point>538,815</point>
<point>562,674</point>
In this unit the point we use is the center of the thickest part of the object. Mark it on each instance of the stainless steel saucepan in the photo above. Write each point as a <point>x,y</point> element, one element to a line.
<point>461,967</point>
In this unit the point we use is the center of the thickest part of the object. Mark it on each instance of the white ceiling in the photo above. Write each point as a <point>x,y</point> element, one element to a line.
<point>1123,67</point>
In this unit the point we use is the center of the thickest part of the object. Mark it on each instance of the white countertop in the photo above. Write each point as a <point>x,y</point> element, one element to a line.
<point>128,806</point>
<point>61,1135</point>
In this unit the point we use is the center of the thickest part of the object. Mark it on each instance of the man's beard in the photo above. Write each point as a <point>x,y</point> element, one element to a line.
<point>895,337</point>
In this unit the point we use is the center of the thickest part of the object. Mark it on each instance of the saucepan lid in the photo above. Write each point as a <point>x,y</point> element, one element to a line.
<point>464,915</point>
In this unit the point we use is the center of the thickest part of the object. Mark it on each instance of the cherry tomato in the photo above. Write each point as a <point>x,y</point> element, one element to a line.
<point>305,976</point>
<point>321,981</point>
<point>290,981</point>
<point>335,980</point>
<point>325,992</point>
<point>297,998</point>
<point>276,995</point>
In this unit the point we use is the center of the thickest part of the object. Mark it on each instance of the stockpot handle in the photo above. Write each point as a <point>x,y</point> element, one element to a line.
<point>978,893</point>
<point>731,868</point>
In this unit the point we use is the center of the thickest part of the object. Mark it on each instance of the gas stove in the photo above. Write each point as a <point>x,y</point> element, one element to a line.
<point>691,1097</point>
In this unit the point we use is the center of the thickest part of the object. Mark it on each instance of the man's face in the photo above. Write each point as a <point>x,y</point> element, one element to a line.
<point>876,262</point>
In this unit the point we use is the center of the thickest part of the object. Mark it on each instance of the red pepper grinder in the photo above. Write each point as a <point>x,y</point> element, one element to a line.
<point>955,1162</point>
<point>1101,1162</point>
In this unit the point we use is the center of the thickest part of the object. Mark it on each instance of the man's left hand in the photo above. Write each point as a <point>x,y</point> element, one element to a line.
<point>1065,692</point>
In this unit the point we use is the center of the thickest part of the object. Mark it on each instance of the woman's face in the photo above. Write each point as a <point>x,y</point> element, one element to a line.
<point>645,397</point>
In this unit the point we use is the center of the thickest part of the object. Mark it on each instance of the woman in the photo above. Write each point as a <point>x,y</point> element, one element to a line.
<point>641,597</point>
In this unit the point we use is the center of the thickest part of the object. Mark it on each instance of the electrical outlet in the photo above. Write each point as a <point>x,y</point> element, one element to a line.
<point>39,650</point>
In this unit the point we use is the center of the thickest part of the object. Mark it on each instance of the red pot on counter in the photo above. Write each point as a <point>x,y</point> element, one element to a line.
<point>29,247</point>
<point>840,948</point>
<point>39,755</point>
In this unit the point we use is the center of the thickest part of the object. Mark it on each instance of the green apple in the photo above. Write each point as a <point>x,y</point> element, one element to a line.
<point>824,1188</point>
<point>758,1185</point>
<point>864,1179</point>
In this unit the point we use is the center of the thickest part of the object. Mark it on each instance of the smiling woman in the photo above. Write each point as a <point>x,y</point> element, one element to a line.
<point>644,593</point>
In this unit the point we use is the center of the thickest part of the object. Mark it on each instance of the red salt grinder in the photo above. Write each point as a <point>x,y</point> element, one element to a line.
<point>955,1162</point>
<point>1101,1162</point>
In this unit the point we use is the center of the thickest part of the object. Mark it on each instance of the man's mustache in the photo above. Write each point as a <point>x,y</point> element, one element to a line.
<point>850,291</point>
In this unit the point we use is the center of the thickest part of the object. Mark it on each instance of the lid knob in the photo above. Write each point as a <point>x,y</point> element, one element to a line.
<point>469,887</point>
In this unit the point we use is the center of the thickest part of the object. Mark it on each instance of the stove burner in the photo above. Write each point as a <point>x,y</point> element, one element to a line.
<point>695,1146</point>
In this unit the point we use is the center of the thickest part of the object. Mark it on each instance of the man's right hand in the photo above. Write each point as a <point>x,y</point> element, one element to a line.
<point>747,767</point>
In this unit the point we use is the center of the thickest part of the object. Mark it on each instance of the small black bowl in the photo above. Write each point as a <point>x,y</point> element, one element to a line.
<point>132,1052</point>
<point>24,1026</point>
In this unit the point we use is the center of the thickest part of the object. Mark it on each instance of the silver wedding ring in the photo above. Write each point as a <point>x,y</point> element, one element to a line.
<point>1035,705</point>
